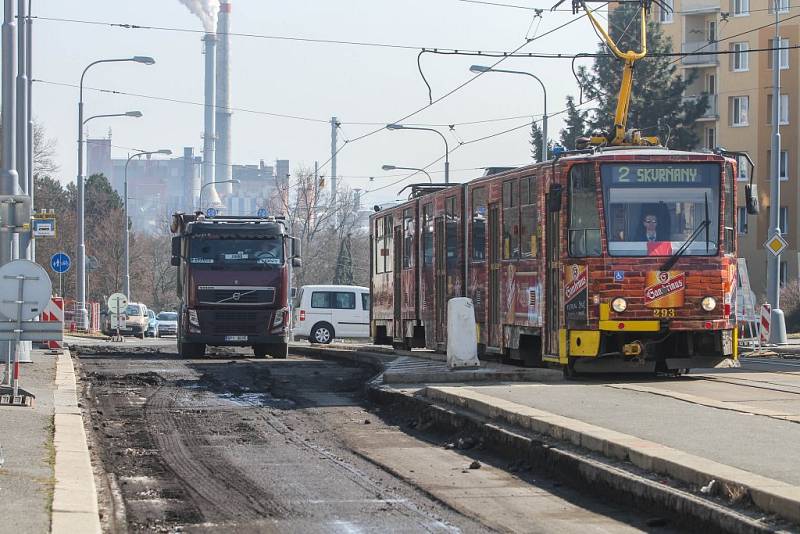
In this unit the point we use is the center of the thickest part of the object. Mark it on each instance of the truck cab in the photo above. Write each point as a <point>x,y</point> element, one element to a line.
<point>233,282</point>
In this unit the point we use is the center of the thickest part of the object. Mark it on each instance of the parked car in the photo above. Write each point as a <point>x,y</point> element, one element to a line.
<point>167,324</point>
<point>136,319</point>
<point>324,312</point>
<point>151,324</point>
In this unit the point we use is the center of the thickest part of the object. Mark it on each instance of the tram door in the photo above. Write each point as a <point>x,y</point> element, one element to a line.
<point>553,290</point>
<point>441,278</point>
<point>397,282</point>
<point>495,241</point>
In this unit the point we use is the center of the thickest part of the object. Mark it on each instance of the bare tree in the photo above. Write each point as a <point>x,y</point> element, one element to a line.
<point>319,221</point>
<point>157,283</point>
<point>44,152</point>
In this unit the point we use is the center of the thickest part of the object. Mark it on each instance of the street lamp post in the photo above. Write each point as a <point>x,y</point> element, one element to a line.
<point>127,281</point>
<point>395,167</point>
<point>481,68</point>
<point>82,314</point>
<point>200,200</point>
<point>446,147</point>
<point>135,114</point>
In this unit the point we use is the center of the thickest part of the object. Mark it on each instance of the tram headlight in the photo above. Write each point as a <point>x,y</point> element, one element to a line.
<point>619,305</point>
<point>708,304</point>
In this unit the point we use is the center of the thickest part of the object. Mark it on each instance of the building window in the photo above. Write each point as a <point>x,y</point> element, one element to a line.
<point>783,223</point>
<point>784,167</point>
<point>741,8</point>
<point>783,6</point>
<point>740,59</point>
<point>743,169</point>
<point>784,111</point>
<point>711,138</point>
<point>739,108</point>
<point>742,220</point>
<point>783,44</point>
<point>666,12</point>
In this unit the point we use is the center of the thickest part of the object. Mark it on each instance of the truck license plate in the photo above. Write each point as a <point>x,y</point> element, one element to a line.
<point>235,338</point>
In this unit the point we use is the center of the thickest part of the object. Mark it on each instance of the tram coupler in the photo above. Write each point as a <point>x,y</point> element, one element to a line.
<point>633,349</point>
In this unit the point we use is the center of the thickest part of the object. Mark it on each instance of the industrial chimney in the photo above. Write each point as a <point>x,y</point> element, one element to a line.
<point>223,113</point>
<point>210,44</point>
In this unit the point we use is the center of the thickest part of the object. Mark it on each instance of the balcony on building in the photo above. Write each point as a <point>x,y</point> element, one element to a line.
<point>701,60</point>
<point>712,112</point>
<point>693,7</point>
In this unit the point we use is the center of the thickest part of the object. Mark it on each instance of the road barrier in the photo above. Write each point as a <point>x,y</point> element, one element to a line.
<point>766,310</point>
<point>54,312</point>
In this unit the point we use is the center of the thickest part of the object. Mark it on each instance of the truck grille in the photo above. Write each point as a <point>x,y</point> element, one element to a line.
<point>235,295</point>
<point>225,322</point>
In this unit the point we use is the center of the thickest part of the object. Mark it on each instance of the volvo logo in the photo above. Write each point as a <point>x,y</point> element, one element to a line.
<point>236,296</point>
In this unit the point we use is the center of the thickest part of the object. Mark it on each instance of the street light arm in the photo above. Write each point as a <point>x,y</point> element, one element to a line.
<point>107,116</point>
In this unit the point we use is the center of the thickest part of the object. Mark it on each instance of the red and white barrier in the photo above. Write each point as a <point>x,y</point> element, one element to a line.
<point>766,311</point>
<point>54,313</point>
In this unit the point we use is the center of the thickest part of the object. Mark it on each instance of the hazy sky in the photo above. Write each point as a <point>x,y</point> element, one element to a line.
<point>317,81</point>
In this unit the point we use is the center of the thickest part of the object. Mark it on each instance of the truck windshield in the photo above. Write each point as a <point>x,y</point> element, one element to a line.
<point>220,252</point>
<point>652,208</point>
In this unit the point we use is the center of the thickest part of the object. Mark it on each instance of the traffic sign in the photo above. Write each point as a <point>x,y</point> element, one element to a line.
<point>26,278</point>
<point>776,244</point>
<point>262,212</point>
<point>60,262</point>
<point>211,212</point>
<point>117,303</point>
<point>44,227</point>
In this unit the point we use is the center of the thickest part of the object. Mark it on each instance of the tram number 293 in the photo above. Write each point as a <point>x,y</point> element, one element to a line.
<point>664,313</point>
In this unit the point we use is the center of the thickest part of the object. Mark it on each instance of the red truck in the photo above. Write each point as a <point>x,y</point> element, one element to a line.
<point>234,275</point>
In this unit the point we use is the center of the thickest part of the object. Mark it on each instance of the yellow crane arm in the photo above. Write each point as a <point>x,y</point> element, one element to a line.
<point>624,99</point>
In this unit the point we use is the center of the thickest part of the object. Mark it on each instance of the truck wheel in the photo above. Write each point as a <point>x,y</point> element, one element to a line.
<point>191,350</point>
<point>261,350</point>
<point>279,351</point>
<point>321,333</point>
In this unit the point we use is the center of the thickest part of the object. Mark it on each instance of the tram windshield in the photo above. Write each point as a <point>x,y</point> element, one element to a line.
<point>653,208</point>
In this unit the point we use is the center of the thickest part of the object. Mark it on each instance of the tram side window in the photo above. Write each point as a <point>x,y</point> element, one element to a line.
<point>479,224</point>
<point>408,239</point>
<point>584,221</point>
<point>451,231</point>
<point>388,239</point>
<point>427,234</point>
<point>510,220</point>
<point>378,245</point>
<point>529,217</point>
<point>729,235</point>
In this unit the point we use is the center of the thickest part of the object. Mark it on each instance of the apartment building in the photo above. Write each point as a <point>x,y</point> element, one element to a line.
<point>739,114</point>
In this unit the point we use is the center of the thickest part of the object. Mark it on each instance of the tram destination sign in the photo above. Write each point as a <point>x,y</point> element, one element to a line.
<point>670,174</point>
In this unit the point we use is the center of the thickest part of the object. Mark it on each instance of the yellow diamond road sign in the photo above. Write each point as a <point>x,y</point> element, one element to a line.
<point>776,244</point>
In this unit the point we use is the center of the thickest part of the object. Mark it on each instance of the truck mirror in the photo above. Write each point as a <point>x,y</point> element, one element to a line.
<point>296,248</point>
<point>176,252</point>
<point>751,198</point>
<point>554,198</point>
<point>297,262</point>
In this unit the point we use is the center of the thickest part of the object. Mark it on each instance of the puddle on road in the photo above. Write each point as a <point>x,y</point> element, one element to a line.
<point>257,399</point>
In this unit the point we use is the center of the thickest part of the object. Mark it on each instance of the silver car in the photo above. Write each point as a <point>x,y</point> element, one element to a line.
<point>166,324</point>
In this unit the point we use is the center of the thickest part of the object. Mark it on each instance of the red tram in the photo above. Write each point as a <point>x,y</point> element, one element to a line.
<point>606,258</point>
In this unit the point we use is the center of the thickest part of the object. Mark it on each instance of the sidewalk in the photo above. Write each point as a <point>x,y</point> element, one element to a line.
<point>26,438</point>
<point>46,482</point>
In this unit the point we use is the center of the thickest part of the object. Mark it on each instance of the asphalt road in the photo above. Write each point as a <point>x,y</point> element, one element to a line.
<point>232,444</point>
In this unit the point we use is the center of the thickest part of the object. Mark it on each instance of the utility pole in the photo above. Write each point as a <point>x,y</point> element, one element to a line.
<point>9,180</point>
<point>29,72</point>
<point>334,134</point>
<point>777,330</point>
<point>22,116</point>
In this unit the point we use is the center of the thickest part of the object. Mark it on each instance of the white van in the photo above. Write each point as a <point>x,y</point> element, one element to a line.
<point>322,313</point>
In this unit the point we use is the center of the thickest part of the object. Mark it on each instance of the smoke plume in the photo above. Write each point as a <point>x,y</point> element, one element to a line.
<point>205,10</point>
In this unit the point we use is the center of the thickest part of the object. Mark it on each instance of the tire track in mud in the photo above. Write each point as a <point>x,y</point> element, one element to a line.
<point>219,490</point>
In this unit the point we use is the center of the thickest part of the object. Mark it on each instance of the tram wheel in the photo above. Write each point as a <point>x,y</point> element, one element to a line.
<point>569,370</point>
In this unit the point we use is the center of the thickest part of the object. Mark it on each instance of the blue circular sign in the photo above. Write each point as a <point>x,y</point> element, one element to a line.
<point>211,212</point>
<point>60,262</point>
<point>262,212</point>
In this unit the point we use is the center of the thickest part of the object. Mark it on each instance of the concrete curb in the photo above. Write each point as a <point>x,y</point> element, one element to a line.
<point>769,495</point>
<point>75,495</point>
